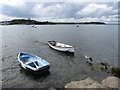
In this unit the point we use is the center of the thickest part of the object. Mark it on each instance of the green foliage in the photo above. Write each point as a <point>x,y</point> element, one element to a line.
<point>29,22</point>
<point>116,71</point>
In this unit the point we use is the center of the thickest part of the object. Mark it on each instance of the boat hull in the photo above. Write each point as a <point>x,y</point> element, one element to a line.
<point>72,50</point>
<point>41,69</point>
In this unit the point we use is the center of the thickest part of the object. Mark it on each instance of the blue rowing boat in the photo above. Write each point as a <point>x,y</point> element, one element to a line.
<point>33,63</point>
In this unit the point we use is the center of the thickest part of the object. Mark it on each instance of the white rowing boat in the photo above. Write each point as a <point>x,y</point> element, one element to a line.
<point>61,46</point>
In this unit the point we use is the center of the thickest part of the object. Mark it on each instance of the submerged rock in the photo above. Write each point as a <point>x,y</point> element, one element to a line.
<point>116,71</point>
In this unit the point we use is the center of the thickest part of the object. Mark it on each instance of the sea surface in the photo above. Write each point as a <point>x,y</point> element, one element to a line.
<point>97,41</point>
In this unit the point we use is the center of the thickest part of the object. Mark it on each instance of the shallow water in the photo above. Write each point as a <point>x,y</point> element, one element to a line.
<point>97,41</point>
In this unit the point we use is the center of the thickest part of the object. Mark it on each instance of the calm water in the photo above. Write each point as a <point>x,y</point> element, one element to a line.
<point>98,41</point>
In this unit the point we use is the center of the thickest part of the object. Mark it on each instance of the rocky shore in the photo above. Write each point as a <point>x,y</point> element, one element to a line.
<point>109,82</point>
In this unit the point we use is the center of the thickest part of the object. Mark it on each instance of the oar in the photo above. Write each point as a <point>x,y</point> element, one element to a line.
<point>41,43</point>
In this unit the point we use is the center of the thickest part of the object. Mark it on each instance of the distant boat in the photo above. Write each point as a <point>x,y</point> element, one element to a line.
<point>61,46</point>
<point>33,63</point>
<point>34,26</point>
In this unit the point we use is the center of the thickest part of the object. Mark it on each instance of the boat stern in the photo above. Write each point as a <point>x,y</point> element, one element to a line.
<point>72,50</point>
<point>42,69</point>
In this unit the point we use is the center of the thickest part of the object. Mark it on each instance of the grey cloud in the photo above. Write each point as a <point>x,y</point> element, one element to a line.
<point>49,9</point>
<point>18,11</point>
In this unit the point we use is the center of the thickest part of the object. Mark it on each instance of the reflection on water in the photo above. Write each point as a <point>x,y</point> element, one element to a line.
<point>96,41</point>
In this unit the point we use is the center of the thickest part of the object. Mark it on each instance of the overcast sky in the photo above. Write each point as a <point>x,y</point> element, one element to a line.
<point>60,11</point>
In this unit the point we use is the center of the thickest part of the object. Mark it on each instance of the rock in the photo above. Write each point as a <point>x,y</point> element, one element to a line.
<point>95,85</point>
<point>0,84</point>
<point>51,88</point>
<point>82,84</point>
<point>111,82</point>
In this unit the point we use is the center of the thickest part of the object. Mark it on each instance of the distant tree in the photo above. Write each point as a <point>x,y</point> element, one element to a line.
<point>29,19</point>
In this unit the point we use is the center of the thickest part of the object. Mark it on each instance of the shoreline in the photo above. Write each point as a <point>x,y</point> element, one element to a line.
<point>58,24</point>
<point>34,22</point>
